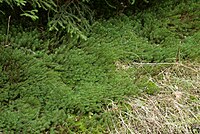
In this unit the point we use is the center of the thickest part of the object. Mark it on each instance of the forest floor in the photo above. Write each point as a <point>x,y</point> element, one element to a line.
<point>134,74</point>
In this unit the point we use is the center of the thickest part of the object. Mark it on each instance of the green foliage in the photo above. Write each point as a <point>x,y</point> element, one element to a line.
<point>40,91</point>
<point>45,4</point>
<point>31,14</point>
<point>182,20</point>
<point>49,84</point>
<point>72,17</point>
<point>147,85</point>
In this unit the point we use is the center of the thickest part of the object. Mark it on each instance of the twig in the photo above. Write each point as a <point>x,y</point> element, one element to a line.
<point>167,63</point>
<point>8,29</point>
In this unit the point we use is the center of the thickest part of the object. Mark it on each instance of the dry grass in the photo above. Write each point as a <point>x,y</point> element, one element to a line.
<point>174,110</point>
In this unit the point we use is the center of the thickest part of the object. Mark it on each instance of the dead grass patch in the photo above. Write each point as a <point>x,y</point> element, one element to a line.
<point>175,109</point>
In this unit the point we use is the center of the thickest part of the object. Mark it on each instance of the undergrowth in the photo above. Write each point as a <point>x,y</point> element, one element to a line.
<point>175,109</point>
<point>57,84</point>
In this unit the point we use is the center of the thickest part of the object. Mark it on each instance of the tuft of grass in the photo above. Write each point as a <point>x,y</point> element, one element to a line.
<point>175,109</point>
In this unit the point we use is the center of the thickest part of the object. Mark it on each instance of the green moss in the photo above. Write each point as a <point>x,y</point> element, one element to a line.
<point>54,85</point>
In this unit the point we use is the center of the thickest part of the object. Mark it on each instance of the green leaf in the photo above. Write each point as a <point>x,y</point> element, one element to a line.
<point>132,2</point>
<point>20,2</point>
<point>31,14</point>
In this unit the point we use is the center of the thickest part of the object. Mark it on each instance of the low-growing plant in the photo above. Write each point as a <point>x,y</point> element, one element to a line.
<point>175,109</point>
<point>58,84</point>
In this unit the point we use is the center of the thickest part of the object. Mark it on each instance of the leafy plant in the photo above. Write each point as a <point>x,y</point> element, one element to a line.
<point>53,84</point>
